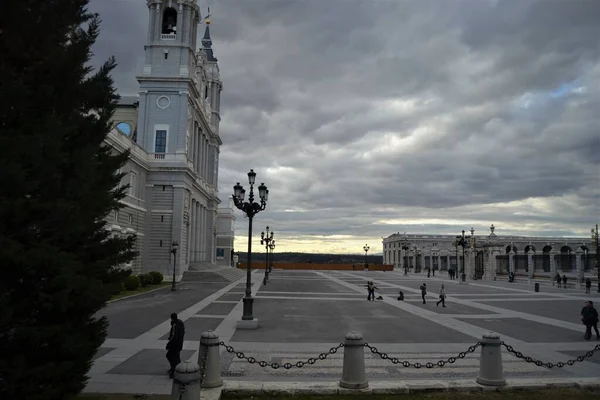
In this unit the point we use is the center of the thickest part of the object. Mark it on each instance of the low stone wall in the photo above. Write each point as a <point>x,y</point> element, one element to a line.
<point>317,266</point>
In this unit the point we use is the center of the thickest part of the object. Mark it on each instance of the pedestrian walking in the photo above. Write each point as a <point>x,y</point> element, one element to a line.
<point>175,343</point>
<point>429,272</point>
<point>589,317</point>
<point>588,285</point>
<point>557,279</point>
<point>371,291</point>
<point>423,291</point>
<point>400,296</point>
<point>564,281</point>
<point>442,297</point>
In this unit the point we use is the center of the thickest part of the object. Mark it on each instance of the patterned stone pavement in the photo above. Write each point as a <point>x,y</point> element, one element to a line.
<point>304,313</point>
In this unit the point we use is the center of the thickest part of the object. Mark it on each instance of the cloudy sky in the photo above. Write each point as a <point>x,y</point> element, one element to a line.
<point>366,118</point>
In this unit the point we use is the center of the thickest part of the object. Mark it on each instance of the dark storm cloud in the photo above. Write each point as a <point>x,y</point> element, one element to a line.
<point>367,118</point>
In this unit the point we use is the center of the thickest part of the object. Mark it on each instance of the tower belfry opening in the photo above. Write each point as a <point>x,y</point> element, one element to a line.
<point>169,22</point>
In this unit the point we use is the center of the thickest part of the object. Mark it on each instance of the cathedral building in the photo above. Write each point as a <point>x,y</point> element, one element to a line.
<point>172,131</point>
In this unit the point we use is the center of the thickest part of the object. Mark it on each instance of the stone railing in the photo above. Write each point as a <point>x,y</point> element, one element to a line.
<point>168,36</point>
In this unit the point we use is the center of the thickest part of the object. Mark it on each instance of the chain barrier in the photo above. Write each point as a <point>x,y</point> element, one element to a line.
<point>275,365</point>
<point>408,364</point>
<point>549,365</point>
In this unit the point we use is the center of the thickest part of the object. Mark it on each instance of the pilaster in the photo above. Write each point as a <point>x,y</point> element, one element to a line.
<point>579,267</point>
<point>511,261</point>
<point>530,265</point>
<point>177,227</point>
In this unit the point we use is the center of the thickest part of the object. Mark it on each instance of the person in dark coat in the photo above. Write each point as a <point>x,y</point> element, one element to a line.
<point>558,279</point>
<point>423,291</point>
<point>589,317</point>
<point>175,343</point>
<point>565,280</point>
<point>588,285</point>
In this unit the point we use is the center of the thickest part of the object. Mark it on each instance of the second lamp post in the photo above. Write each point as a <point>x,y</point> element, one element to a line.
<point>462,241</point>
<point>267,240</point>
<point>250,208</point>
<point>366,249</point>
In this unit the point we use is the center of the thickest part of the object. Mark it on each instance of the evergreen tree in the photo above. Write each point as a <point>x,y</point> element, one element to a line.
<point>58,183</point>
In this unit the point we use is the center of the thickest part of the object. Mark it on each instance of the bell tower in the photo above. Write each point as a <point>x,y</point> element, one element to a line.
<point>167,86</point>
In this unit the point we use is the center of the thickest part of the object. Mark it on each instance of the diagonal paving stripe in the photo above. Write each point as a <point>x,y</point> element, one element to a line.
<point>579,369</point>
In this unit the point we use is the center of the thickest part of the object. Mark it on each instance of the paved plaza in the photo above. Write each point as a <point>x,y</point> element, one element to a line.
<point>304,313</point>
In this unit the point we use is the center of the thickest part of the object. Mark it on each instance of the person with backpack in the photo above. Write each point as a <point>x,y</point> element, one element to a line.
<point>423,292</point>
<point>175,343</point>
<point>589,317</point>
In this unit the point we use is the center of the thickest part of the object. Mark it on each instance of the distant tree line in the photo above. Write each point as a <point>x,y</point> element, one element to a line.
<point>316,258</point>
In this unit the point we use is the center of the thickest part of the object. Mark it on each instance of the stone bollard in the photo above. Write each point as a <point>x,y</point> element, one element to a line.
<point>490,362</point>
<point>186,382</point>
<point>353,374</point>
<point>210,341</point>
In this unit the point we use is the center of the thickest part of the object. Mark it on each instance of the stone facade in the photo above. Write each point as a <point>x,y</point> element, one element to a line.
<point>225,233</point>
<point>489,255</point>
<point>172,131</point>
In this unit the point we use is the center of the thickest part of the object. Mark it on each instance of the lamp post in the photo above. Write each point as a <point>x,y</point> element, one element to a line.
<point>366,249</point>
<point>173,251</point>
<point>595,242</point>
<point>272,247</point>
<point>250,208</point>
<point>266,240</point>
<point>405,247</point>
<point>462,241</point>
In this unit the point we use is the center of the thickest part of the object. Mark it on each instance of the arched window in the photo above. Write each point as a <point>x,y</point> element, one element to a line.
<point>124,128</point>
<point>169,23</point>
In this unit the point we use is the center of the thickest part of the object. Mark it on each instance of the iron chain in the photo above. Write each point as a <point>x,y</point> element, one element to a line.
<point>549,365</point>
<point>417,365</point>
<point>275,365</point>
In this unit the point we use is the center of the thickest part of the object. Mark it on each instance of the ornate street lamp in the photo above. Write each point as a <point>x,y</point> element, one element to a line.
<point>405,246</point>
<point>266,240</point>
<point>173,251</point>
<point>595,241</point>
<point>366,249</point>
<point>463,241</point>
<point>250,208</point>
<point>272,247</point>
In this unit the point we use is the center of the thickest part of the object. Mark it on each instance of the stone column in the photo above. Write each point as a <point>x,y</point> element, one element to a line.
<point>491,268</point>
<point>177,226</point>
<point>511,261</point>
<point>192,237</point>
<point>580,267</point>
<point>413,261</point>
<point>530,265</point>
<point>439,261</point>
<point>198,231</point>
<point>448,260</point>
<point>472,257</point>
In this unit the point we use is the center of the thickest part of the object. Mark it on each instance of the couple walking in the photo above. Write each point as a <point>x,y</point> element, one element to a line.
<point>442,296</point>
<point>589,317</point>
